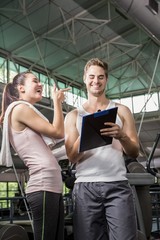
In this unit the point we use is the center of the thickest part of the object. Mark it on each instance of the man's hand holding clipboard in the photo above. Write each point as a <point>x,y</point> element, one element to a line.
<point>91,124</point>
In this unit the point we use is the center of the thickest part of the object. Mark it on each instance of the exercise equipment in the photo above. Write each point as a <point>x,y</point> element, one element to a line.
<point>148,163</point>
<point>140,182</point>
<point>12,232</point>
<point>140,179</point>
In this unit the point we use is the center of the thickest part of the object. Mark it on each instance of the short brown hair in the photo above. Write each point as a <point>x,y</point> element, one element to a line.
<point>96,62</point>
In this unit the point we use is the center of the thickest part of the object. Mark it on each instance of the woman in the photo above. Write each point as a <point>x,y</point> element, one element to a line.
<point>26,130</point>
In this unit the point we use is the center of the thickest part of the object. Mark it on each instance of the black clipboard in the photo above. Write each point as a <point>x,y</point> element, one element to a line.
<point>91,124</point>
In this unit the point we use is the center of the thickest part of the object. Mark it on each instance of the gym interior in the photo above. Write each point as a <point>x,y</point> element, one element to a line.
<point>54,39</point>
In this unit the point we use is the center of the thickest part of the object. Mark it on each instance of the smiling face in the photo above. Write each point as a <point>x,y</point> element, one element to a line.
<point>95,79</point>
<point>31,91</point>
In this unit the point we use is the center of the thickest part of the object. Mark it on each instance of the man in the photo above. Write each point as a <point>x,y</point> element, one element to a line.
<point>103,200</point>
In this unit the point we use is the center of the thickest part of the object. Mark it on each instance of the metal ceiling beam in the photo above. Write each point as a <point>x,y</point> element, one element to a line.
<point>136,93</point>
<point>61,25</point>
<point>139,13</point>
<point>106,43</point>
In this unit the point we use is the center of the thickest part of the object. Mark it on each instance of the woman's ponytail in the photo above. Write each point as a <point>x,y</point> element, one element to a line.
<point>10,93</point>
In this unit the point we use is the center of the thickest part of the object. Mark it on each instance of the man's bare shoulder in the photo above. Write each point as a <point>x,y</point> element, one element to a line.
<point>71,115</point>
<point>124,112</point>
<point>122,108</point>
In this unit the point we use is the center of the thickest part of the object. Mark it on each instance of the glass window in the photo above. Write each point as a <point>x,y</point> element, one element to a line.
<point>3,189</point>
<point>3,194</point>
<point>44,80</point>
<point>76,96</point>
<point>61,85</point>
<point>3,70</point>
<point>23,69</point>
<point>127,102</point>
<point>70,98</point>
<point>12,189</point>
<point>139,104</point>
<point>151,102</point>
<point>13,70</point>
<point>7,189</point>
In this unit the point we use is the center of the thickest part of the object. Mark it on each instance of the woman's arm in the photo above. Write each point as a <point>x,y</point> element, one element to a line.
<point>22,116</point>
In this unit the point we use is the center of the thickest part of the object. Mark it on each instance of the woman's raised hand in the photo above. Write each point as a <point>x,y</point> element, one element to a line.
<point>58,94</point>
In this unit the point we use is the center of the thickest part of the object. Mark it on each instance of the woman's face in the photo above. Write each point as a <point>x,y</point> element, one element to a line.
<point>31,91</point>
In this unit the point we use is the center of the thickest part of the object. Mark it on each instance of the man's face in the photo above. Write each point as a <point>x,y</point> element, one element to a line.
<point>95,79</point>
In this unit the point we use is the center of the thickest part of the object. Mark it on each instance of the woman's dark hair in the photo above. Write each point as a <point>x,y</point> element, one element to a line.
<point>10,92</point>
